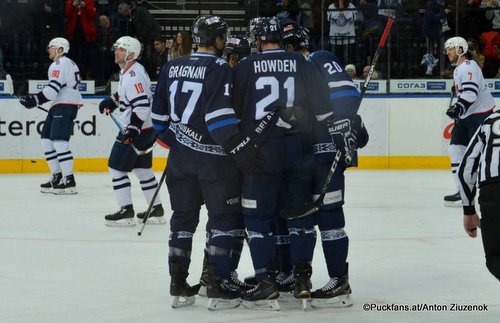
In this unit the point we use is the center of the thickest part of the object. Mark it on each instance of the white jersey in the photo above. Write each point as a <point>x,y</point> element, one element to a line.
<point>471,87</point>
<point>64,79</point>
<point>134,91</point>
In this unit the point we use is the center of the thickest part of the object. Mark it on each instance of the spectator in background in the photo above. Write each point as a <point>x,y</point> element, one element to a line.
<point>366,69</point>
<point>492,15</point>
<point>475,52</point>
<point>160,56</point>
<point>82,34</point>
<point>182,45</point>
<point>287,9</point>
<point>351,70</point>
<point>141,24</point>
<point>431,29</point>
<point>106,37</point>
<point>341,14</point>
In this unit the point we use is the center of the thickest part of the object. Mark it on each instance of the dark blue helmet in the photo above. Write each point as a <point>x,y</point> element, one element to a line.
<point>237,45</point>
<point>265,29</point>
<point>295,35</point>
<point>206,28</point>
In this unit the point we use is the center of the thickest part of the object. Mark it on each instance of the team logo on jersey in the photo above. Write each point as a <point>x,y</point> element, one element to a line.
<point>132,73</point>
<point>56,73</point>
<point>233,201</point>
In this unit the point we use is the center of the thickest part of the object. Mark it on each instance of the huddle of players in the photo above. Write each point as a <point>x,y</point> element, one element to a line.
<point>248,142</point>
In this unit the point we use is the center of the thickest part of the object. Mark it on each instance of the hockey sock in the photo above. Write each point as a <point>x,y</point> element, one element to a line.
<point>180,246</point>
<point>263,251</point>
<point>121,186</point>
<point>283,261</point>
<point>220,244</point>
<point>335,245</point>
<point>456,153</point>
<point>51,156</point>
<point>302,242</point>
<point>64,156</point>
<point>148,184</point>
<point>238,241</point>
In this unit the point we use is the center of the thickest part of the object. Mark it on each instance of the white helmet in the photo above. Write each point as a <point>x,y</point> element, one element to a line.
<point>130,45</point>
<point>59,42</point>
<point>457,42</point>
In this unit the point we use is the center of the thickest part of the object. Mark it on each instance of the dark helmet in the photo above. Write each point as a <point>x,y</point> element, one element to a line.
<point>206,28</point>
<point>265,29</point>
<point>238,45</point>
<point>295,35</point>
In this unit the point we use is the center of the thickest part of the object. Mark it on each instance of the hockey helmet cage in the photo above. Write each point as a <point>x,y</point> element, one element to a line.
<point>206,28</point>
<point>59,42</point>
<point>457,42</point>
<point>295,35</point>
<point>130,45</point>
<point>237,45</point>
<point>266,29</point>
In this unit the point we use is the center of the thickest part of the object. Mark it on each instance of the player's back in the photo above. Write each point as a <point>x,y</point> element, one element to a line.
<point>271,81</point>
<point>472,87</point>
<point>65,76</point>
<point>336,87</point>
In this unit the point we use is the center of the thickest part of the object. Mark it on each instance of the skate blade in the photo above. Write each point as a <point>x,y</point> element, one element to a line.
<point>64,191</point>
<point>120,223</point>
<point>46,191</point>
<point>202,291</point>
<point>154,220</point>
<point>304,304</point>
<point>338,301</point>
<point>453,204</point>
<point>264,305</point>
<point>182,301</point>
<point>216,304</point>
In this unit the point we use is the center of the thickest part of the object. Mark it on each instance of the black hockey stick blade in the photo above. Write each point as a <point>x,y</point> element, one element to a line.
<point>295,213</point>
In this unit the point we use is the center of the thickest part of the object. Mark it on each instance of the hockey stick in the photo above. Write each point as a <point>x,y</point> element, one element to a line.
<point>294,213</point>
<point>8,78</point>
<point>150,207</point>
<point>137,151</point>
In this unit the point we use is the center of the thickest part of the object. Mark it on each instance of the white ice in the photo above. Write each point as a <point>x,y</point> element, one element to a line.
<point>59,263</point>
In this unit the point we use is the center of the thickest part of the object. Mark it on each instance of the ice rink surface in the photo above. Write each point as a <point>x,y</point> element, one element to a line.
<point>60,264</point>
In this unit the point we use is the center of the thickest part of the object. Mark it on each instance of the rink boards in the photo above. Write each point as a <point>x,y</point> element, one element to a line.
<point>407,131</point>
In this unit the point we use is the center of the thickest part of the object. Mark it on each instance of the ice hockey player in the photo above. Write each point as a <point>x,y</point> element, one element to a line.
<point>474,103</point>
<point>192,113</point>
<point>337,127</point>
<point>236,48</point>
<point>65,99</point>
<point>133,100</point>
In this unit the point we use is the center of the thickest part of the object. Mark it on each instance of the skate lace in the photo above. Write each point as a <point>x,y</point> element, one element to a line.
<point>284,278</point>
<point>332,284</point>
<point>236,281</point>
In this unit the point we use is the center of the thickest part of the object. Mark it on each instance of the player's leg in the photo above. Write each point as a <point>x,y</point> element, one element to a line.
<point>221,187</point>
<point>121,161</point>
<point>60,133</point>
<point>50,156</point>
<point>185,200</point>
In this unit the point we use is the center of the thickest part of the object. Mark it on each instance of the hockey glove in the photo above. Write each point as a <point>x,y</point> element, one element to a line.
<point>348,134</point>
<point>29,101</point>
<point>247,157</point>
<point>109,105</point>
<point>458,109</point>
<point>130,134</point>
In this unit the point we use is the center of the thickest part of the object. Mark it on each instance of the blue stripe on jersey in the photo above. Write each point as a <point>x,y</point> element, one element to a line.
<point>160,127</point>
<point>222,123</point>
<point>342,94</point>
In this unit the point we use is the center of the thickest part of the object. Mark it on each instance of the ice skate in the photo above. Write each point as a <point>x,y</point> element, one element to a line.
<point>336,293</point>
<point>204,277</point>
<point>66,186</point>
<point>221,293</point>
<point>302,277</point>
<point>183,294</point>
<point>264,296</point>
<point>453,200</point>
<point>123,217</point>
<point>241,285</point>
<point>250,280</point>
<point>155,215</point>
<point>286,285</point>
<point>47,187</point>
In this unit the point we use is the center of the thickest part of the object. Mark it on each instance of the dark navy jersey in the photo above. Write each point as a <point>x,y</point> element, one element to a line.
<point>274,80</point>
<point>343,97</point>
<point>192,109</point>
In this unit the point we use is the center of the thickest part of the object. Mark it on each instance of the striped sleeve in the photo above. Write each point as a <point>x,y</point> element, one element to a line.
<point>56,81</point>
